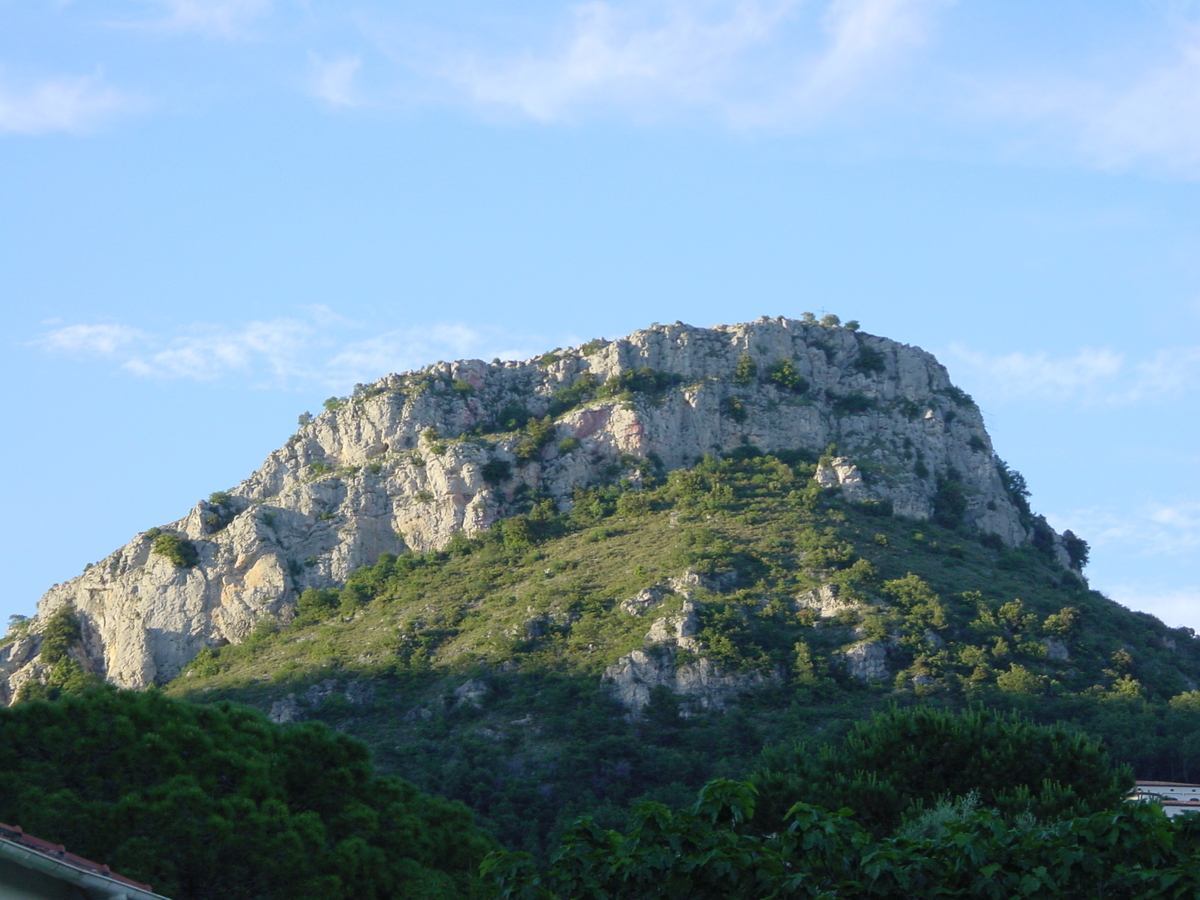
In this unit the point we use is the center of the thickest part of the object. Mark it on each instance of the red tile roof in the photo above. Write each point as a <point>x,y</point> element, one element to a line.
<point>16,835</point>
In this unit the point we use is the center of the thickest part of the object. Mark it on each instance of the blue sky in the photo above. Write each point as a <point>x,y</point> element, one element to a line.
<point>216,213</point>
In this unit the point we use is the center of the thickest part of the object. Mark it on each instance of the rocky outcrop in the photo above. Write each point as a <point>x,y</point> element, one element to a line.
<point>699,682</point>
<point>412,459</point>
<point>824,601</point>
<point>295,707</point>
<point>866,661</point>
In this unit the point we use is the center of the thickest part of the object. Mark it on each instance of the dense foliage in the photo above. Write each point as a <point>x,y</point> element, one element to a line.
<point>217,802</point>
<point>1134,853</point>
<point>1014,817</point>
<point>906,759</point>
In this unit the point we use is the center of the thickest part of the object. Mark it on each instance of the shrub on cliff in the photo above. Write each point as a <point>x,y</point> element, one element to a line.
<point>176,548</point>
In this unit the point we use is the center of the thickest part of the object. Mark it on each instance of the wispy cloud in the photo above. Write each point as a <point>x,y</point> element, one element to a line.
<point>333,80</point>
<point>1153,529</point>
<point>215,18</point>
<point>1136,116</point>
<point>271,349</point>
<point>65,103</point>
<point>1092,375</point>
<point>320,348</point>
<point>865,36</point>
<point>1171,606</point>
<point>1152,539</point>
<point>97,340</point>
<point>745,59</point>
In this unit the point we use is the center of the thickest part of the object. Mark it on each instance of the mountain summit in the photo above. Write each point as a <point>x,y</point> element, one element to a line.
<point>418,460</point>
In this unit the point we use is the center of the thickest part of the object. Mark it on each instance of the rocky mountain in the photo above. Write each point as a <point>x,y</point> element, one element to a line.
<point>416,460</point>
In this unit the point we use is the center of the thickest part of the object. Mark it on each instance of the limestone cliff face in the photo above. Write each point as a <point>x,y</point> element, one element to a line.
<point>412,459</point>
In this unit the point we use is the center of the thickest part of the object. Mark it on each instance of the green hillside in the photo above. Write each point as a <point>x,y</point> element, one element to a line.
<point>478,672</point>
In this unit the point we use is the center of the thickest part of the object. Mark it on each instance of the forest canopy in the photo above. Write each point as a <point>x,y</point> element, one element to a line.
<point>218,802</point>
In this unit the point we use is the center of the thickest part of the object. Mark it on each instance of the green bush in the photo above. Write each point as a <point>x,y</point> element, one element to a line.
<point>496,471</point>
<point>870,360</point>
<point>316,605</point>
<point>580,391</point>
<point>538,433</point>
<point>639,381</point>
<point>959,396</point>
<point>176,548</point>
<point>852,403</point>
<point>950,501</point>
<point>784,375</point>
<point>734,408</point>
<point>1077,549</point>
<point>61,633</point>
<point>746,370</point>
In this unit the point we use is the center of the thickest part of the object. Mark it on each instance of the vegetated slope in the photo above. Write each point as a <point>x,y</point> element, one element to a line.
<point>412,460</point>
<point>661,634</point>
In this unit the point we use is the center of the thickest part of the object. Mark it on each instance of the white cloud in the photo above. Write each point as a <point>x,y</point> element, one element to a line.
<point>1135,117</point>
<point>321,348</point>
<point>1154,529</point>
<point>865,35</point>
<point>1169,372</point>
<point>272,350</point>
<point>731,56</point>
<point>99,340</point>
<point>1173,606</point>
<point>403,349</point>
<point>1094,375</point>
<point>1155,540</point>
<point>333,80</point>
<point>216,18</point>
<point>66,103</point>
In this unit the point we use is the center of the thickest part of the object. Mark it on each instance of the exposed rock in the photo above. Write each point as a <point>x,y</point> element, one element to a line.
<point>393,468</point>
<point>285,710</point>
<point>319,693</point>
<point>1056,650</point>
<point>700,682</point>
<point>680,630</point>
<point>642,601</point>
<point>471,693</point>
<point>293,707</point>
<point>823,600</point>
<point>360,693</point>
<point>840,472</point>
<point>867,661</point>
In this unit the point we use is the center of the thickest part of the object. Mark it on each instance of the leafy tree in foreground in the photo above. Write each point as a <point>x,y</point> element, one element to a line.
<point>1023,811</point>
<point>1134,853</point>
<point>216,801</point>
<point>903,760</point>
